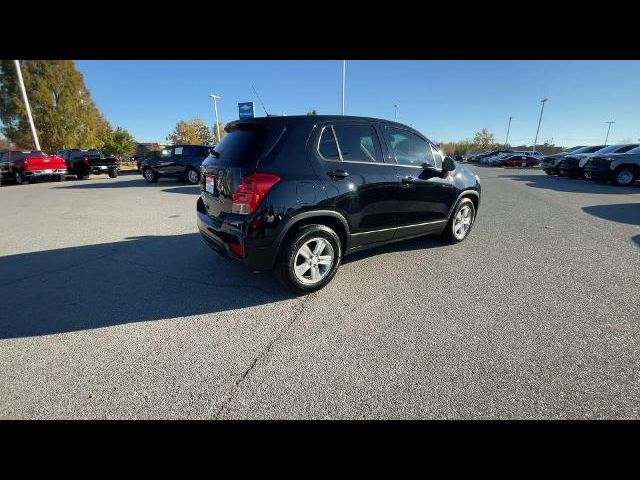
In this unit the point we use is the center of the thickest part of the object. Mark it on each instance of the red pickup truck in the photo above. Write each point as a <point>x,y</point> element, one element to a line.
<point>26,166</point>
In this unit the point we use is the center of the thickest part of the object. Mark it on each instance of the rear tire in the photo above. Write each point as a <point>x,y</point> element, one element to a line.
<point>321,265</point>
<point>113,173</point>
<point>60,178</point>
<point>20,180</point>
<point>149,175</point>
<point>461,222</point>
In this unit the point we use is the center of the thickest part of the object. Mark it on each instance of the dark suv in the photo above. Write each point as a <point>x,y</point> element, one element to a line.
<point>175,161</point>
<point>298,193</point>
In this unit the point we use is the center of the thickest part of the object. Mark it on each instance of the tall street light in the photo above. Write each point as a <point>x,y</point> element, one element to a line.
<point>344,73</point>
<point>608,130</point>
<point>215,107</point>
<point>540,120</point>
<point>395,115</point>
<point>506,140</point>
<point>26,104</point>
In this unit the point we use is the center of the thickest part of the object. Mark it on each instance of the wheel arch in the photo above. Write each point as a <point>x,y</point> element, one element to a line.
<point>330,218</point>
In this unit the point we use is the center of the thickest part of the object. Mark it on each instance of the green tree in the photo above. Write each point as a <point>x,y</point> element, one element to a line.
<point>64,114</point>
<point>484,140</point>
<point>193,131</point>
<point>120,142</point>
<point>312,112</point>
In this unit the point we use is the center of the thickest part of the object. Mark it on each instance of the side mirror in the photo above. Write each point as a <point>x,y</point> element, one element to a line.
<point>448,165</point>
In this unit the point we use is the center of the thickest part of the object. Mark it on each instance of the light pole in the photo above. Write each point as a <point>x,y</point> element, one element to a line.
<point>215,108</point>
<point>26,104</point>
<point>506,140</point>
<point>608,130</point>
<point>539,121</point>
<point>395,115</point>
<point>344,73</point>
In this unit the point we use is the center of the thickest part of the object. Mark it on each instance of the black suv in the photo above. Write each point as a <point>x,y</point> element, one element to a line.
<point>298,193</point>
<point>176,161</point>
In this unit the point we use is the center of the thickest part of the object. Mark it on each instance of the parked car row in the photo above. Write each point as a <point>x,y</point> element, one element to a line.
<point>27,166</point>
<point>601,163</point>
<point>508,158</point>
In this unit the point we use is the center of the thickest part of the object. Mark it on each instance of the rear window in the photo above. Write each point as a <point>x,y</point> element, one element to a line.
<point>240,148</point>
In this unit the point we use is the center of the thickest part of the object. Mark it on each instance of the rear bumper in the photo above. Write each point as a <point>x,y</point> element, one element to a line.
<point>219,235</point>
<point>45,173</point>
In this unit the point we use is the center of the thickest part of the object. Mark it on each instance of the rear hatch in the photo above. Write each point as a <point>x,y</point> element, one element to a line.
<point>232,159</point>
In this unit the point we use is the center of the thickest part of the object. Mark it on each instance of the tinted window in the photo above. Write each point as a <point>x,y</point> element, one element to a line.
<point>589,149</point>
<point>609,149</point>
<point>240,147</point>
<point>409,149</point>
<point>358,143</point>
<point>328,147</point>
<point>626,148</point>
<point>635,150</point>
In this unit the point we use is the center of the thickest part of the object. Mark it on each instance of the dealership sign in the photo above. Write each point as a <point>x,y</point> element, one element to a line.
<point>246,110</point>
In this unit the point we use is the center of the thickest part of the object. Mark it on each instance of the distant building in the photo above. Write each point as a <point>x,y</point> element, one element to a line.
<point>144,148</point>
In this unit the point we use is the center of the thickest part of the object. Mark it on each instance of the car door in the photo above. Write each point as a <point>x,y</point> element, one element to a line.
<point>425,193</point>
<point>162,164</point>
<point>357,180</point>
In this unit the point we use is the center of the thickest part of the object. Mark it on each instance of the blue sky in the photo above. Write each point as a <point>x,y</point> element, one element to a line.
<point>445,100</point>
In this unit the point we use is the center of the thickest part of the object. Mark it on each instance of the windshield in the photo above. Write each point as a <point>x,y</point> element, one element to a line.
<point>635,150</point>
<point>587,149</point>
<point>609,149</point>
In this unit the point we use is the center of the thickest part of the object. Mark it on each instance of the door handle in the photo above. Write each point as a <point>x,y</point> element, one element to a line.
<point>408,180</point>
<point>338,174</point>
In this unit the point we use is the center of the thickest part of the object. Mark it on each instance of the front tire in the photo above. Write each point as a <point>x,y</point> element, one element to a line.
<point>192,176</point>
<point>113,173</point>
<point>624,176</point>
<point>310,259</point>
<point>60,178</point>
<point>149,175</point>
<point>462,219</point>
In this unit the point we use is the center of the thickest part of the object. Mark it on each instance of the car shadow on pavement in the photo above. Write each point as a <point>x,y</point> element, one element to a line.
<point>138,182</point>
<point>628,213</point>
<point>140,279</point>
<point>636,239</point>
<point>564,184</point>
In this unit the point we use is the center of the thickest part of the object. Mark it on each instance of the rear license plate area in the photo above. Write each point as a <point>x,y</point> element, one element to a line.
<point>210,185</point>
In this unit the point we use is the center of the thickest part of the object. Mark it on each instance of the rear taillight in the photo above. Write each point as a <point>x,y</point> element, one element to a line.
<point>85,160</point>
<point>236,249</point>
<point>251,192</point>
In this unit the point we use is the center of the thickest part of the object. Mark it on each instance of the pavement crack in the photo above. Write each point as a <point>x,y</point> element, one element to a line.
<point>263,353</point>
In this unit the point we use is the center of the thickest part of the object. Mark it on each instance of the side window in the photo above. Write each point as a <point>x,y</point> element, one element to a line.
<point>327,146</point>
<point>358,143</point>
<point>409,149</point>
<point>177,151</point>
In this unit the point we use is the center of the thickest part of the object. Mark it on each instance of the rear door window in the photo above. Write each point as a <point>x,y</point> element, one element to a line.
<point>328,147</point>
<point>358,143</point>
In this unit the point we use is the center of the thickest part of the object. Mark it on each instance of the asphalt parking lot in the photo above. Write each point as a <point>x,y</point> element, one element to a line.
<point>113,308</point>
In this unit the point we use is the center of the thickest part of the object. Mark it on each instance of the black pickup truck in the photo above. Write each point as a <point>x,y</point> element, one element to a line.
<point>83,162</point>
